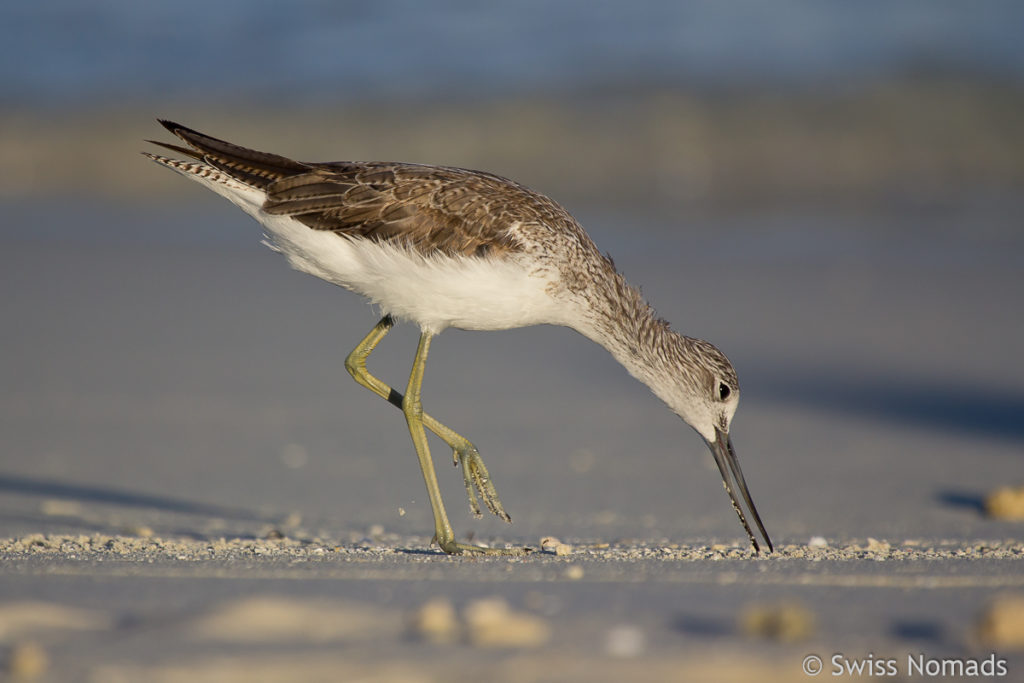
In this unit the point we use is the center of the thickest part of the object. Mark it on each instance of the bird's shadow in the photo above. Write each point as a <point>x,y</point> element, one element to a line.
<point>422,552</point>
<point>924,631</point>
<point>108,496</point>
<point>994,412</point>
<point>966,500</point>
<point>112,496</point>
<point>703,626</point>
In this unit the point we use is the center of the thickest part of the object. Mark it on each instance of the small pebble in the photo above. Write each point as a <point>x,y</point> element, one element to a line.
<point>491,623</point>
<point>26,661</point>
<point>625,641</point>
<point>817,542</point>
<point>1006,503</point>
<point>786,622</point>
<point>548,543</point>
<point>436,621</point>
<point>876,546</point>
<point>1001,624</point>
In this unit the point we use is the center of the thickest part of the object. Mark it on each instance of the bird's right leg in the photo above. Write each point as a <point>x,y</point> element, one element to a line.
<point>474,472</point>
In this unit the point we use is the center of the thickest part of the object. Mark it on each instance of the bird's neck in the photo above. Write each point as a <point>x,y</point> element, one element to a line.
<point>622,322</point>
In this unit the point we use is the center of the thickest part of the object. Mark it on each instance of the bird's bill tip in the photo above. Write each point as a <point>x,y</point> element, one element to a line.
<point>736,487</point>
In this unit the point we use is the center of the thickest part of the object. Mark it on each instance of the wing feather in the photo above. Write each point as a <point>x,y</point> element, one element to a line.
<point>428,208</point>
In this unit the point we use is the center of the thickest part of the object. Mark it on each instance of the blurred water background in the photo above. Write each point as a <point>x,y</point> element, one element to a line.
<point>676,104</point>
<point>831,191</point>
<point>71,53</point>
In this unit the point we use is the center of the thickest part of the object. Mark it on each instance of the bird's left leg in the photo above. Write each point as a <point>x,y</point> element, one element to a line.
<point>412,407</point>
<point>474,472</point>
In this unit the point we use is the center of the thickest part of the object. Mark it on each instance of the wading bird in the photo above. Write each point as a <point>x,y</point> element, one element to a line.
<point>449,247</point>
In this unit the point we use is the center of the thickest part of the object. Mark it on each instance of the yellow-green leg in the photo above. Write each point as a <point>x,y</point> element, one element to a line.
<point>474,472</point>
<point>412,406</point>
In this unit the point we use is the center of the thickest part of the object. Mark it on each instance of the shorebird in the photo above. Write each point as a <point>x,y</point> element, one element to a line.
<point>450,247</point>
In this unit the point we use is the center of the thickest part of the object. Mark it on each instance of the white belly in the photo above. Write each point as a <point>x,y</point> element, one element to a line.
<point>436,291</point>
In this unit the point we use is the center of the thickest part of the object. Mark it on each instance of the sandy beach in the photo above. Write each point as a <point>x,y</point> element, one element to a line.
<point>193,489</point>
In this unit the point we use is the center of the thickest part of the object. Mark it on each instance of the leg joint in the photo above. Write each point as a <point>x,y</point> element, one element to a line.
<point>412,407</point>
<point>355,363</point>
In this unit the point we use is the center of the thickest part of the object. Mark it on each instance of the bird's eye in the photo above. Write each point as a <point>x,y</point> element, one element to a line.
<point>723,390</point>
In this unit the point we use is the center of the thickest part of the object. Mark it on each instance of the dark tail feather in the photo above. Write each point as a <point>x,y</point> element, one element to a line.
<point>254,168</point>
<point>184,151</point>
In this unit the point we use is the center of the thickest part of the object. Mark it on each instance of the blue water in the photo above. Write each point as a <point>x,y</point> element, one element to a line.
<point>69,51</point>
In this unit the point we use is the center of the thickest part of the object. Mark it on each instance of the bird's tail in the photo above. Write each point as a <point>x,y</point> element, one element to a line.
<point>247,166</point>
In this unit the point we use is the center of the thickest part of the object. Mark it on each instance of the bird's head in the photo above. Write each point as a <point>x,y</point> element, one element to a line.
<point>701,387</point>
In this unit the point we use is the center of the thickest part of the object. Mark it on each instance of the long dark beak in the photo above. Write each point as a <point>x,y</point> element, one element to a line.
<point>732,477</point>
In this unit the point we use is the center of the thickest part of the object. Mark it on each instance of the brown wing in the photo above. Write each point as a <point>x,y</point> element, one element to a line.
<point>430,208</point>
